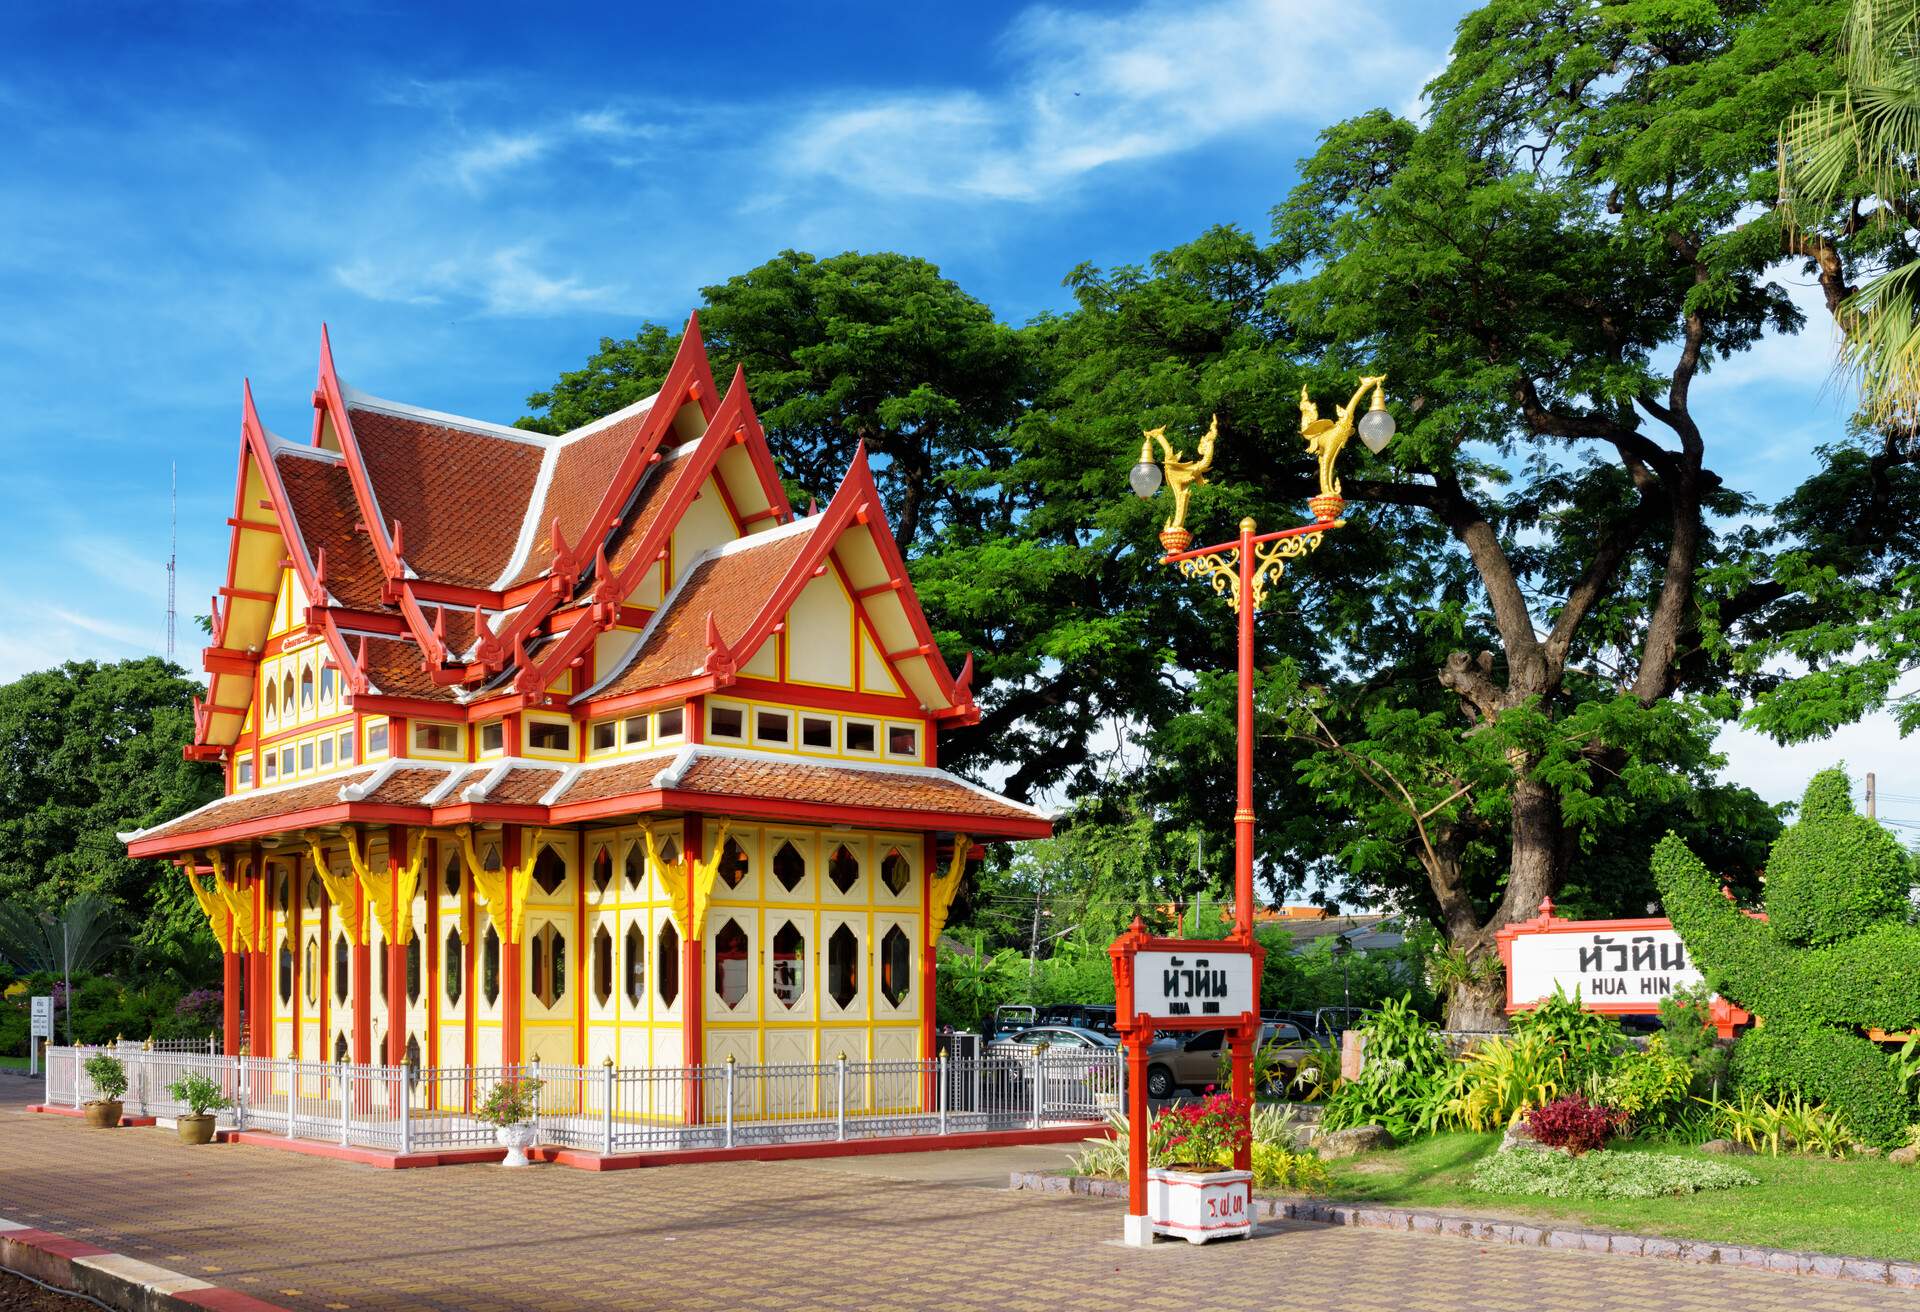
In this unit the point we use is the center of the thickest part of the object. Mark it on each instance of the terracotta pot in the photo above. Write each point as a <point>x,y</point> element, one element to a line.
<point>195,1129</point>
<point>103,1113</point>
<point>1200,1205</point>
<point>1175,540</point>
<point>1326,508</point>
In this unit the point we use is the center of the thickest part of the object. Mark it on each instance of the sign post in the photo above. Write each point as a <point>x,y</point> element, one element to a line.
<point>41,1028</point>
<point>1175,984</point>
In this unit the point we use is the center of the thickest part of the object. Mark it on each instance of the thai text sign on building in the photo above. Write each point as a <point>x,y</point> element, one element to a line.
<point>1197,982</point>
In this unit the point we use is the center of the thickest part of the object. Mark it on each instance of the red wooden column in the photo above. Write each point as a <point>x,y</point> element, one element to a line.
<point>396,1054</point>
<point>260,983</point>
<point>362,982</point>
<point>430,955</point>
<point>929,950</point>
<point>230,987</point>
<point>693,998</point>
<point>296,909</point>
<point>510,836</point>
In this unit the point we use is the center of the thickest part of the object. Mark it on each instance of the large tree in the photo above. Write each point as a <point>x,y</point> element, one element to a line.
<point>88,750</point>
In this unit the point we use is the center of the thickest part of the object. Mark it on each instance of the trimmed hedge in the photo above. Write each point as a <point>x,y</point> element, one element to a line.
<point>1815,1000</point>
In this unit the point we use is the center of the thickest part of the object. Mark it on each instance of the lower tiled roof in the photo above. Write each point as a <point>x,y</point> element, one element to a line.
<point>257,805</point>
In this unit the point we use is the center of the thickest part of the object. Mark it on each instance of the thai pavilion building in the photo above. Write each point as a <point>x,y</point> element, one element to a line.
<point>577,747</point>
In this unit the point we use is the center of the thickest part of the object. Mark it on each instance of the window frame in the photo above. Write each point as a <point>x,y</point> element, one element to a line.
<point>492,729</point>
<point>847,728</point>
<point>532,725</point>
<point>832,722</point>
<point>716,709</point>
<point>761,714</point>
<point>902,726</point>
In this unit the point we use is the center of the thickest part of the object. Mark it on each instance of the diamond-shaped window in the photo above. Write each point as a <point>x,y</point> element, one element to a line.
<point>550,870</point>
<point>895,873</point>
<point>789,867</point>
<point>730,964</point>
<point>789,964</point>
<point>843,868</point>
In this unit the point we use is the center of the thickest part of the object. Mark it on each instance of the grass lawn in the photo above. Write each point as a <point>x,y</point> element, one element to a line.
<point>13,1063</point>
<point>1863,1207</point>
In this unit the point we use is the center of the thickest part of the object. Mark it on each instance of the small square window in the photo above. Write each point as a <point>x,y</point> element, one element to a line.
<point>725,722</point>
<point>863,736</point>
<point>670,724</point>
<point>606,735</point>
<point>429,736</point>
<point>306,756</point>
<point>326,751</point>
<point>636,730</point>
<point>816,731</point>
<point>243,774</point>
<point>903,740</point>
<point>493,736</point>
<point>377,738</point>
<point>772,727</point>
<point>272,767</point>
<point>550,735</point>
<point>345,739</point>
<point>286,761</point>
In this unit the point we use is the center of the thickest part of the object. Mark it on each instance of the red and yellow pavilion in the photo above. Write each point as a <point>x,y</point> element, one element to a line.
<point>577,747</point>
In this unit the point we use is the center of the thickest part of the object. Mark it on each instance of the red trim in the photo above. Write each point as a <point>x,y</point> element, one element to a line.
<point>787,1152</point>
<point>126,1122</point>
<point>510,844</point>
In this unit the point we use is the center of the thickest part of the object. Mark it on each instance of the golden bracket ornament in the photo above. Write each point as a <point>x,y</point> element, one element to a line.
<point>339,889</point>
<point>213,906</point>
<point>1181,475</point>
<point>940,896</point>
<point>497,888</point>
<point>238,898</point>
<point>689,883</point>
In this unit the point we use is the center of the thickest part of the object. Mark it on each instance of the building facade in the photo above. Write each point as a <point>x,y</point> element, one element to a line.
<point>581,747</point>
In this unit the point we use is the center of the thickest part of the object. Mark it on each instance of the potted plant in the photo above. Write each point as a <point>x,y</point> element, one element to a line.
<point>510,1110</point>
<point>109,1078</point>
<point>1192,1191</point>
<point>202,1097</point>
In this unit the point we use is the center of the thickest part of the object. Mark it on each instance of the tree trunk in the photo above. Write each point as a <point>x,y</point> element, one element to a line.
<point>1536,848</point>
<point>1477,1005</point>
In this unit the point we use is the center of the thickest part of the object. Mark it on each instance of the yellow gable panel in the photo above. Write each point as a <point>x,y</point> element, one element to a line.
<point>874,674</point>
<point>766,661</point>
<point>820,634</point>
<point>647,592</point>
<point>705,524</point>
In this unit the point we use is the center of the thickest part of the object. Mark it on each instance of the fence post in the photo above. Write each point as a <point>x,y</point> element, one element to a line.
<point>293,1089</point>
<point>404,1087</point>
<point>606,1123</point>
<point>345,1073</point>
<point>728,1141</point>
<point>940,1074</point>
<point>1039,1084</point>
<point>240,1093</point>
<point>533,1073</point>
<point>840,1100</point>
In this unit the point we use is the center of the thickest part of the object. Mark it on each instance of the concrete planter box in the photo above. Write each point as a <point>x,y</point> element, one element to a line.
<point>1200,1205</point>
<point>516,1139</point>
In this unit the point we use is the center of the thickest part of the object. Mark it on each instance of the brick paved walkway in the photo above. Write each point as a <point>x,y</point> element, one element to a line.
<point>311,1233</point>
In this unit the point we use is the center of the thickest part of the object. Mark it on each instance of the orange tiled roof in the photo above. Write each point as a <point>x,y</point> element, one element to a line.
<point>657,485</point>
<point>394,667</point>
<point>733,586</point>
<point>320,494</point>
<point>582,471</point>
<point>241,807</point>
<point>459,495</point>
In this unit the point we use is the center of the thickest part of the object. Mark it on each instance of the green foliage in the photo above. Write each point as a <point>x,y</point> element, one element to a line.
<point>80,938</point>
<point>1603,1175</point>
<point>1400,1079</point>
<point>1686,1028</point>
<point>1586,1041</point>
<point>1317,1073</point>
<point>1781,1125</point>
<point>1650,1086</point>
<point>1277,1166</point>
<point>199,1093</point>
<point>1815,1000</point>
<point>86,751</point>
<point>1834,873</point>
<point>510,1102</point>
<point>108,1075</point>
<point>1502,1080</point>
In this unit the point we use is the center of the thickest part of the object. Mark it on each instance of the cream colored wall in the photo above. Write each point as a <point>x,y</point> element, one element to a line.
<point>820,635</point>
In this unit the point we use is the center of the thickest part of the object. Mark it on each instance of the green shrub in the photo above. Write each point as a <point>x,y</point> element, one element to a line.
<point>1588,1041</point>
<point>1835,873</point>
<point>1844,1071</point>
<point>1277,1165</point>
<point>1502,1079</point>
<point>199,1093</point>
<point>1402,1078</point>
<point>108,1074</point>
<point>1650,1086</point>
<point>1603,1175</point>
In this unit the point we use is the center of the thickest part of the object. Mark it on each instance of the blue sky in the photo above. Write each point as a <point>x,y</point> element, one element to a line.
<point>471,196</point>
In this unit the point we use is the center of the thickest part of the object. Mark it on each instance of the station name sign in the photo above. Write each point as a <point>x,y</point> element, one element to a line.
<point>1625,966</point>
<point>1181,985</point>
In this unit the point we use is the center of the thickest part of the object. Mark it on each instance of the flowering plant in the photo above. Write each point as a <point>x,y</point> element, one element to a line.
<point>1200,1134</point>
<point>1575,1124</point>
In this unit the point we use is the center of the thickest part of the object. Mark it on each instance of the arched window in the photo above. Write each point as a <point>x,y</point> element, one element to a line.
<point>602,963</point>
<point>455,967</point>
<point>286,696</point>
<point>490,965</point>
<point>342,967</point>
<point>668,973</point>
<point>547,966</point>
<point>843,868</point>
<point>550,870</point>
<point>789,867</point>
<point>730,965</point>
<point>895,872</point>
<point>843,966</point>
<point>413,969</point>
<point>326,685</point>
<point>896,965</point>
<point>789,965</point>
<point>636,964</point>
<point>733,863</point>
<point>635,867</point>
<point>284,961</point>
<point>306,691</point>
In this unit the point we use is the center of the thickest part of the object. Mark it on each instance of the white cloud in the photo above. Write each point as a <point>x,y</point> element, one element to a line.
<point>1092,91</point>
<point>497,152</point>
<point>502,281</point>
<point>1802,359</point>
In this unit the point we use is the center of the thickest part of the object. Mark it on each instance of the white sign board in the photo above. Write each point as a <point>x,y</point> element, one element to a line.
<point>42,1018</point>
<point>1628,968</point>
<point>1183,985</point>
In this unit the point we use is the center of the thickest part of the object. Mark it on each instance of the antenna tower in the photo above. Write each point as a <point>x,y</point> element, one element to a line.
<point>173,545</point>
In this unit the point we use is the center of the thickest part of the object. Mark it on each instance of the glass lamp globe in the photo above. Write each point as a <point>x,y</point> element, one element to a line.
<point>1376,426</point>
<point>1144,479</point>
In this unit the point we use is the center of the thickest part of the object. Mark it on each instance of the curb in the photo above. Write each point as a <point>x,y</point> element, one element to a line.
<point>1860,1270</point>
<point>114,1278</point>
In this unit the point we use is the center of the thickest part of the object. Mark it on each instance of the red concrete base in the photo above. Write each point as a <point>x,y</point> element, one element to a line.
<point>113,1279</point>
<point>780,1152</point>
<point>126,1121</point>
<point>364,1156</point>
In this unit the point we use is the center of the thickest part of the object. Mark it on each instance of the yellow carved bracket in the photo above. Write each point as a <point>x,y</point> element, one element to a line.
<point>395,913</point>
<point>491,887</point>
<point>689,883</point>
<point>239,901</point>
<point>219,918</point>
<point>940,896</point>
<point>339,889</point>
<point>702,874</point>
<point>378,892</point>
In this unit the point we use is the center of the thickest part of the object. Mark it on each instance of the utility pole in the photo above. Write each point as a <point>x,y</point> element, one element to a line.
<point>173,547</point>
<point>1870,800</point>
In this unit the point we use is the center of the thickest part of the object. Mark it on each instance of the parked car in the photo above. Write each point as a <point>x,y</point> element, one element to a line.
<point>1011,1017</point>
<point>1055,1038</point>
<point>1083,1015</point>
<point>1192,1061</point>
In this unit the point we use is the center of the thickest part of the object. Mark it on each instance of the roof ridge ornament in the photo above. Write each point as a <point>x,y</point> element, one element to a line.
<point>721,662</point>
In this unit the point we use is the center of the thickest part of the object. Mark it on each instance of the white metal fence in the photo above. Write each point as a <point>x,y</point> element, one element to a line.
<point>609,1109</point>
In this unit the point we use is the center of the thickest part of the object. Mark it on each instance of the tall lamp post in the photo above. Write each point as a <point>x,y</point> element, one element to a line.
<point>1243,570</point>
